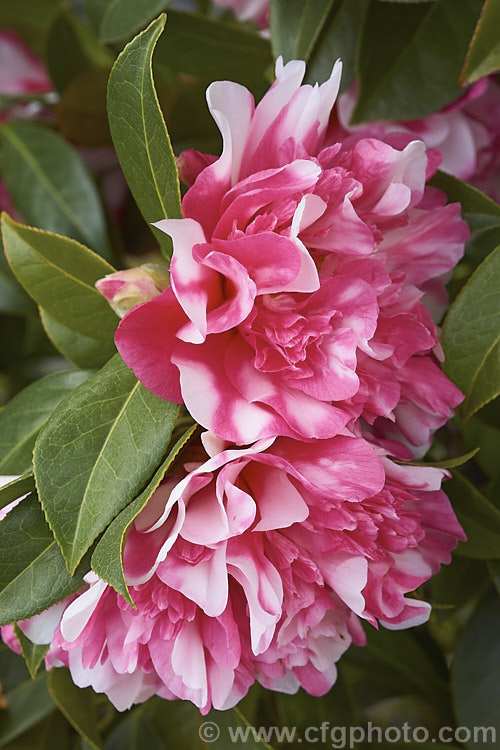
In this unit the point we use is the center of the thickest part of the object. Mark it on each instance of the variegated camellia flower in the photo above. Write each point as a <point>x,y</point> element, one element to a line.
<point>295,306</point>
<point>255,563</point>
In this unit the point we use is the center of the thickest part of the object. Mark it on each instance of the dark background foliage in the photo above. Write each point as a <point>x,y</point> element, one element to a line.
<point>411,59</point>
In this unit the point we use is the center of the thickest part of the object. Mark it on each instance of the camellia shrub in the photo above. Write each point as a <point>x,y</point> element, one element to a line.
<point>250,312</point>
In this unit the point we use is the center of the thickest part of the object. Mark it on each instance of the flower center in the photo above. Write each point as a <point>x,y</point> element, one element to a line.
<point>283,337</point>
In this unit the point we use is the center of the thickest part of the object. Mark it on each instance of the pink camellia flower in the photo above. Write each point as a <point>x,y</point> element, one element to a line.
<point>21,71</point>
<point>248,10</point>
<point>256,564</point>
<point>466,133</point>
<point>297,276</point>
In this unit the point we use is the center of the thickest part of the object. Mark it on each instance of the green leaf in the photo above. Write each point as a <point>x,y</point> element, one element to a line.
<point>95,10</point>
<point>33,653</point>
<point>122,18</point>
<point>182,723</point>
<point>483,57</point>
<point>96,452</point>
<point>458,583</point>
<point>135,733</point>
<point>479,433</point>
<point>494,568</point>
<point>28,704</point>
<point>50,185</point>
<point>178,720</point>
<point>107,556</point>
<point>139,133</point>
<point>340,37</point>
<point>76,704</point>
<point>302,710</point>
<point>479,211</point>
<point>399,49</point>
<point>471,337</point>
<point>22,418</point>
<point>296,25</point>
<point>81,115</point>
<point>53,732</point>
<point>398,658</point>
<point>229,723</point>
<point>60,274</point>
<point>447,463</point>
<point>214,50</point>
<point>13,298</point>
<point>33,575</point>
<point>72,48</point>
<point>82,351</point>
<point>476,673</point>
<point>15,489</point>
<point>479,518</point>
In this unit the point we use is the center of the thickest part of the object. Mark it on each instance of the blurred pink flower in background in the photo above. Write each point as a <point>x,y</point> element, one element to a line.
<point>248,10</point>
<point>466,133</point>
<point>21,73</point>
<point>21,70</point>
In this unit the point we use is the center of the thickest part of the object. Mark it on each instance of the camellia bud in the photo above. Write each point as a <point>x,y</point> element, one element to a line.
<point>126,289</point>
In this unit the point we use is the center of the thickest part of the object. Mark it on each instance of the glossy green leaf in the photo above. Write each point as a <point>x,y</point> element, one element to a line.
<point>139,133</point>
<point>184,726</point>
<point>134,732</point>
<point>487,437</point>
<point>76,704</point>
<point>494,568</point>
<point>214,50</point>
<point>72,48</point>
<point>399,49</point>
<point>12,668</point>
<point>25,414</point>
<point>471,337</point>
<point>33,575</point>
<point>122,18</point>
<point>52,733</point>
<point>458,583</point>
<point>50,184</point>
<point>302,710</point>
<point>483,57</point>
<point>82,351</point>
<point>15,489</point>
<point>478,517</point>
<point>432,744</point>
<point>95,10</point>
<point>107,556</point>
<point>96,452</point>
<point>60,275</point>
<point>81,114</point>
<point>33,654</point>
<point>296,25</point>
<point>178,720</point>
<point>28,704</point>
<point>13,298</point>
<point>479,211</point>
<point>398,659</point>
<point>476,674</point>
<point>447,463</point>
<point>234,728</point>
<point>340,37</point>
